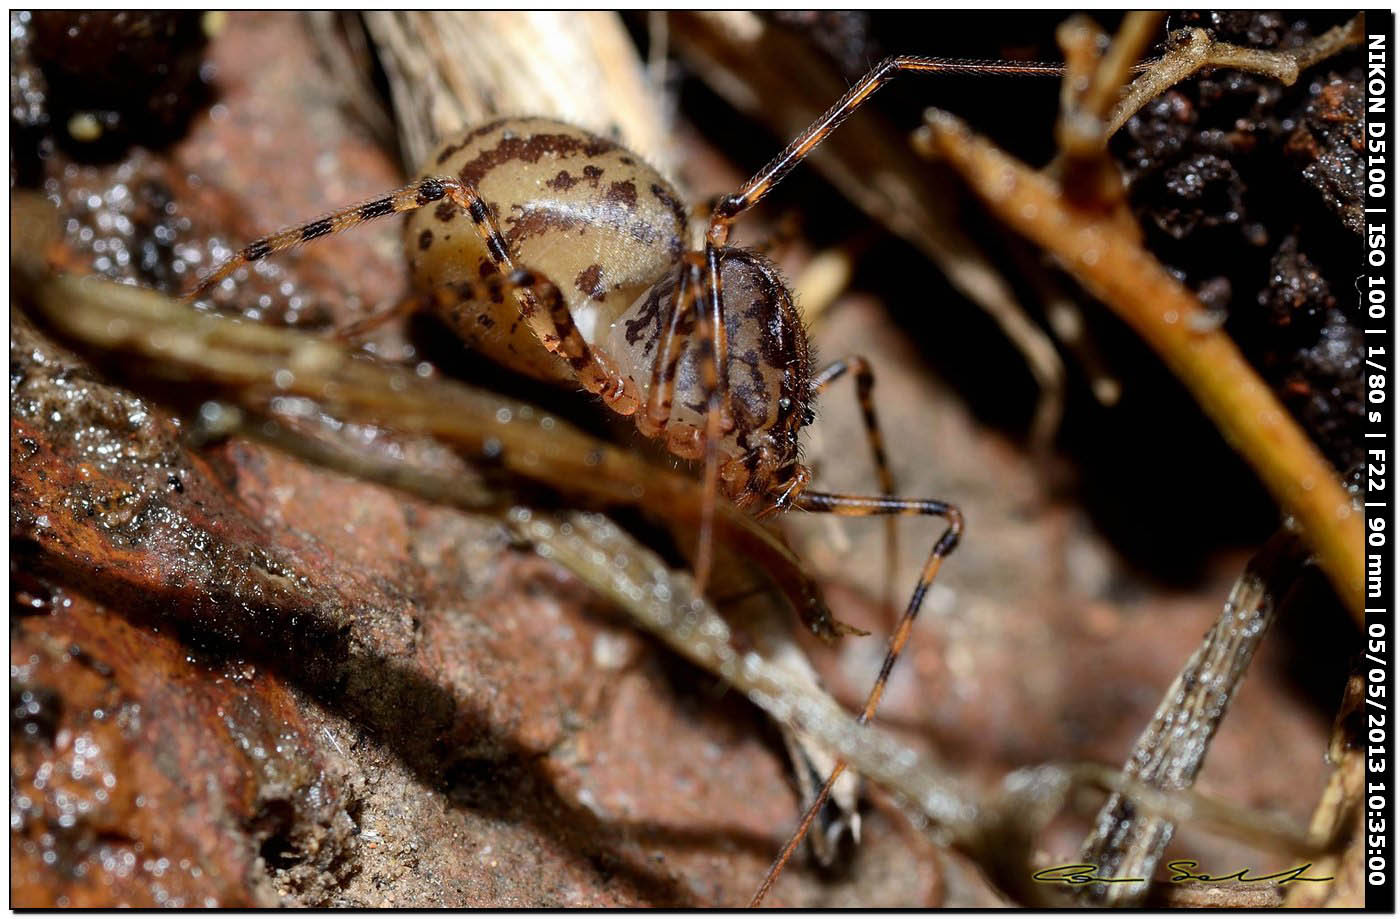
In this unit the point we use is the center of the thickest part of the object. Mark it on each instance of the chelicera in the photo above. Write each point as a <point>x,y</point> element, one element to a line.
<point>564,256</point>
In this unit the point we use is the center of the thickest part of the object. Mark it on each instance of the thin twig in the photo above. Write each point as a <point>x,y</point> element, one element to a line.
<point>1341,811</point>
<point>1201,52</point>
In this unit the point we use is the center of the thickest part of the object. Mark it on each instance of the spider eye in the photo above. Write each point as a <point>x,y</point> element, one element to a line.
<point>785,404</point>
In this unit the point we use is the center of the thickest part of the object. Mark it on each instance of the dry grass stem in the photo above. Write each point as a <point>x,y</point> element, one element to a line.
<point>1173,747</point>
<point>448,70</point>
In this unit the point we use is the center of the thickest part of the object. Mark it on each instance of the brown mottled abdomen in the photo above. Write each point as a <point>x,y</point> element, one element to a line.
<point>581,210</point>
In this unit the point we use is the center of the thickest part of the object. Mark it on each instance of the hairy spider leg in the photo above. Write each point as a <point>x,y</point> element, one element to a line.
<point>696,280</point>
<point>541,303</point>
<point>859,368</point>
<point>549,318</point>
<point>853,506</point>
<point>770,175</point>
<point>864,376</point>
<point>661,386</point>
<point>714,383</point>
<point>409,198</point>
<point>661,394</point>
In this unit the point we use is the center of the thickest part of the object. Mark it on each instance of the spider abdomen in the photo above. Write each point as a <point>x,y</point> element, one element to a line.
<point>610,233</point>
<point>579,209</point>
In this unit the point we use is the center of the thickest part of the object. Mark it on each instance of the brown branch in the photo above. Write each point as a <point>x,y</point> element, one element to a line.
<point>1135,285</point>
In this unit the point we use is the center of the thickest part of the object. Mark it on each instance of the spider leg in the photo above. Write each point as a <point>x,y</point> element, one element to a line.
<point>544,308</point>
<point>557,332</point>
<point>757,187</point>
<point>696,278</point>
<point>787,492</point>
<point>860,368</point>
<point>854,506</point>
<point>714,289</point>
<point>714,385</point>
<point>714,363</point>
<point>541,304</point>
<point>410,197</point>
<point>661,388</point>
<point>363,326</point>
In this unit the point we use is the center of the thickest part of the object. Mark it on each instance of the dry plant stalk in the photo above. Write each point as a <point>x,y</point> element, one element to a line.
<point>998,832</point>
<point>1172,748</point>
<point>1127,278</point>
<point>1138,30</point>
<point>1095,69</point>
<point>448,70</point>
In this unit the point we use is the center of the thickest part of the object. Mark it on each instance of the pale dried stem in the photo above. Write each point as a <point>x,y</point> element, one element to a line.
<point>1217,896</point>
<point>1134,35</point>
<point>998,831</point>
<point>450,70</point>
<point>1341,811</point>
<point>1171,750</point>
<point>1093,81</point>
<point>1066,320</point>
<point>345,52</point>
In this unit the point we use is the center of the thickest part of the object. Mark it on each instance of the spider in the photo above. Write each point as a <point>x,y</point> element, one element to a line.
<point>564,256</point>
